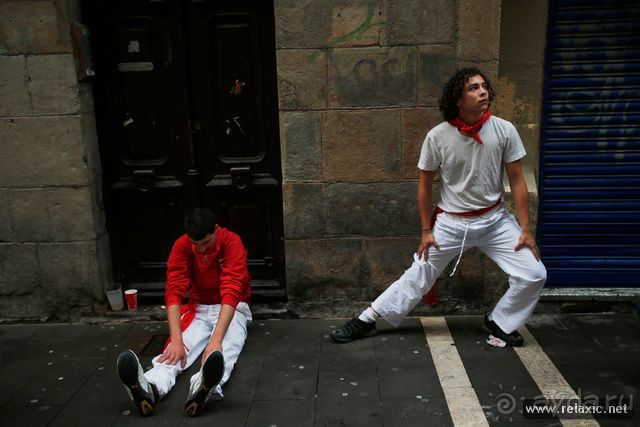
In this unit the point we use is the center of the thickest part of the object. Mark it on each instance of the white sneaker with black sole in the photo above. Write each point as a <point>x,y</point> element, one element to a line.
<point>141,392</point>
<point>210,376</point>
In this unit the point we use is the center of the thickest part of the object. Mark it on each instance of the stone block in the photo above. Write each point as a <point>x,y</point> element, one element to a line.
<point>42,151</point>
<point>373,210</point>
<point>19,273</point>
<point>6,228</point>
<point>489,68</point>
<point>304,211</point>
<point>30,216</point>
<point>478,30</point>
<point>416,122</point>
<point>324,269</point>
<point>14,89</point>
<point>312,24</point>
<point>23,307</point>
<point>523,30</point>
<point>34,27</point>
<point>70,275</point>
<point>387,259</point>
<point>419,21</point>
<point>301,134</point>
<point>71,214</point>
<point>362,145</point>
<point>436,64</point>
<point>302,79</point>
<point>372,77</point>
<point>54,89</point>
<point>519,89</point>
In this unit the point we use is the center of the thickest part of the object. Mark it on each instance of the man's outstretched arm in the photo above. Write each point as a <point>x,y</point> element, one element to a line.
<point>521,199</point>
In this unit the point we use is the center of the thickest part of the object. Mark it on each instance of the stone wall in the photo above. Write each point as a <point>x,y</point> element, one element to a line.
<point>358,87</point>
<point>522,58</point>
<point>53,246</point>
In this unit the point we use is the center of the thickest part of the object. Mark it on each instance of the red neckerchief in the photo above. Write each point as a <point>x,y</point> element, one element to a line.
<point>473,129</point>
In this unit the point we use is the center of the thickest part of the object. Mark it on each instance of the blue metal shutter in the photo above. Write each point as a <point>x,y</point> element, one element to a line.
<point>589,213</point>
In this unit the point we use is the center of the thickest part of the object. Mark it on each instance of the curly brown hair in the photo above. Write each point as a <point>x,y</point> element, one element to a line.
<point>453,91</point>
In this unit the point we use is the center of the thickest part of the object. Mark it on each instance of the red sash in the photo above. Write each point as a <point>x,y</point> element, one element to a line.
<point>437,211</point>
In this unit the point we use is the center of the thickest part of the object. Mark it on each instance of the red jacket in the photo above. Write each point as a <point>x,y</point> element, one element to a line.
<point>217,276</point>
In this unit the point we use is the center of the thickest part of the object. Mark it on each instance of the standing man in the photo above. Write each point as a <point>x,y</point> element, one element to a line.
<point>210,263</point>
<point>470,150</point>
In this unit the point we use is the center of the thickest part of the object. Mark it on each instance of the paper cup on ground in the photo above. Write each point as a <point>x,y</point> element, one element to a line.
<point>115,299</point>
<point>132,298</point>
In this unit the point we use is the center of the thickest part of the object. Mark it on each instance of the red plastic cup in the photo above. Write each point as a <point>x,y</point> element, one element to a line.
<point>131,296</point>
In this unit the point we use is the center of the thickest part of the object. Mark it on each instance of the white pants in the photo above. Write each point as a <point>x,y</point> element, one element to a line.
<point>496,234</point>
<point>195,339</point>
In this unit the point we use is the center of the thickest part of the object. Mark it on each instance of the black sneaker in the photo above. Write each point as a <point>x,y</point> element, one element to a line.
<point>354,329</point>
<point>210,375</point>
<point>513,339</point>
<point>143,393</point>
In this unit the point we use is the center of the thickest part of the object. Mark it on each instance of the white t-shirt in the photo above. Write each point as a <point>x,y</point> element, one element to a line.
<point>471,173</point>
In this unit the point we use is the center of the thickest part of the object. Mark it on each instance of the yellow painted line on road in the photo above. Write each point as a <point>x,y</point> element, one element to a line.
<point>462,400</point>
<point>547,377</point>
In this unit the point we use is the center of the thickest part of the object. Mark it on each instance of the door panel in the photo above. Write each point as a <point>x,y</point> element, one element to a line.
<point>235,105</point>
<point>187,116</point>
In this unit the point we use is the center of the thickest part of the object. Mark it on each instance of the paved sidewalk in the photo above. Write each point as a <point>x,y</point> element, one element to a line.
<point>291,374</point>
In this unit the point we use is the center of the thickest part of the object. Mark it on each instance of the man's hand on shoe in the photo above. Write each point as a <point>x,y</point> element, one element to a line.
<point>210,348</point>
<point>426,241</point>
<point>174,354</point>
<point>526,240</point>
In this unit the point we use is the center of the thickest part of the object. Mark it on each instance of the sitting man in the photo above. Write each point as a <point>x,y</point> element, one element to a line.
<point>470,150</point>
<point>210,263</point>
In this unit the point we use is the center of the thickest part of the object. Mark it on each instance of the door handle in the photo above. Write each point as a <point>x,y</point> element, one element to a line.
<point>241,177</point>
<point>144,179</point>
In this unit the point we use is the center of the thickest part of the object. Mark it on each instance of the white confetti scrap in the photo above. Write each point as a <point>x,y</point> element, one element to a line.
<point>50,363</point>
<point>383,339</point>
<point>401,338</point>
<point>101,368</point>
<point>353,383</point>
<point>127,412</point>
<point>34,401</point>
<point>416,352</point>
<point>301,367</point>
<point>266,333</point>
<point>115,345</point>
<point>60,378</point>
<point>418,397</point>
<point>103,348</point>
<point>345,394</point>
<point>341,379</point>
<point>495,342</point>
<point>50,351</point>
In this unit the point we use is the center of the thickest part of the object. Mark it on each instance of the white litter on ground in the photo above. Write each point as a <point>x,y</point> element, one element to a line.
<point>495,342</point>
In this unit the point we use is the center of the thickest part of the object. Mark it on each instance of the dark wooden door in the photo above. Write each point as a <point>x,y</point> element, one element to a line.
<point>187,116</point>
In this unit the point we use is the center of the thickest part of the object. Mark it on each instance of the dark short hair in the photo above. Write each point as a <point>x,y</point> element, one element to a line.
<point>199,222</point>
<point>452,91</point>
